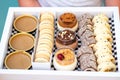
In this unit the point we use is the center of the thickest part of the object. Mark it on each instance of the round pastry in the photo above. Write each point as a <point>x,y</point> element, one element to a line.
<point>21,41</point>
<point>18,60</point>
<point>67,20</point>
<point>47,16</point>
<point>42,56</point>
<point>66,38</point>
<point>64,59</point>
<point>26,23</point>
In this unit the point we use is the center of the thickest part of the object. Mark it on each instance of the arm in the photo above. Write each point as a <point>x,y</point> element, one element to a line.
<point>28,3</point>
<point>113,3</point>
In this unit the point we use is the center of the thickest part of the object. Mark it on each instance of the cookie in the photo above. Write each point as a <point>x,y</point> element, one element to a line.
<point>106,67</point>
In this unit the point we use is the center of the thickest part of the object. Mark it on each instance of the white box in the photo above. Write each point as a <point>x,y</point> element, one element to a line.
<point>8,74</point>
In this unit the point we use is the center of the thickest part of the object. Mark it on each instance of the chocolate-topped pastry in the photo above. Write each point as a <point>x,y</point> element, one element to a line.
<point>67,20</point>
<point>66,38</point>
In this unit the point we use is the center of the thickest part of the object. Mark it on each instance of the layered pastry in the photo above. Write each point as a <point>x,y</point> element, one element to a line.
<point>86,56</point>
<point>87,59</point>
<point>45,38</point>
<point>85,32</point>
<point>66,38</point>
<point>64,59</point>
<point>18,60</point>
<point>25,23</point>
<point>21,41</point>
<point>67,20</point>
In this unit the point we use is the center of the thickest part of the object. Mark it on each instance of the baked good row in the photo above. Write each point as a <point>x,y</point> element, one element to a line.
<point>45,39</point>
<point>20,42</point>
<point>103,46</point>
<point>86,56</point>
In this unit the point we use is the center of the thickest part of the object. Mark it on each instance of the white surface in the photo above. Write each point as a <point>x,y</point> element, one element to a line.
<point>6,74</point>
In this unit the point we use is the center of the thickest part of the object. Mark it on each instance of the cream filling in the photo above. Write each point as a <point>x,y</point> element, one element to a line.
<point>62,28</point>
<point>69,67</point>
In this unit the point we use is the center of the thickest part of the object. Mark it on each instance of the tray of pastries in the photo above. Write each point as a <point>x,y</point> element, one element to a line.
<point>61,40</point>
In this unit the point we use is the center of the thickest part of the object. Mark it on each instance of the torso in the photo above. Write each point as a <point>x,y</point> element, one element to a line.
<point>69,3</point>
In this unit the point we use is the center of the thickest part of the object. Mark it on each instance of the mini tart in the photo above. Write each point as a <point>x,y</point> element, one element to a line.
<point>21,41</point>
<point>66,38</point>
<point>67,21</point>
<point>25,23</point>
<point>18,60</point>
<point>65,59</point>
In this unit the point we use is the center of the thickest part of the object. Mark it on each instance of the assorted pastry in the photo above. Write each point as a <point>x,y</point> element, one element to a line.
<point>93,54</point>
<point>21,42</point>
<point>66,38</point>
<point>25,23</point>
<point>45,40</point>
<point>103,46</point>
<point>86,56</point>
<point>65,59</point>
<point>67,21</point>
<point>18,60</point>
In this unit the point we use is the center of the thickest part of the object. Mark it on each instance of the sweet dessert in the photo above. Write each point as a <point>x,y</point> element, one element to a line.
<point>85,31</point>
<point>45,38</point>
<point>87,59</point>
<point>103,46</point>
<point>18,60</point>
<point>64,59</point>
<point>66,38</point>
<point>86,56</point>
<point>25,23</point>
<point>67,20</point>
<point>47,16</point>
<point>21,41</point>
<point>106,67</point>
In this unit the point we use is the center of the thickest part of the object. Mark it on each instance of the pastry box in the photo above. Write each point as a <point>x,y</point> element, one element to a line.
<point>21,43</point>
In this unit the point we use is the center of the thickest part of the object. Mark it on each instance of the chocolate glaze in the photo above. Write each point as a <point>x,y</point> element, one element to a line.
<point>66,37</point>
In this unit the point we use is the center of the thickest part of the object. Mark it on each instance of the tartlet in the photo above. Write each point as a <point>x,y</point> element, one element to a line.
<point>67,21</point>
<point>66,38</point>
<point>25,23</point>
<point>21,41</point>
<point>18,60</point>
<point>65,59</point>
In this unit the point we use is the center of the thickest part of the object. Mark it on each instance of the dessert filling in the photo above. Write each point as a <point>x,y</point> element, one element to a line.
<point>65,57</point>
<point>66,37</point>
<point>26,23</point>
<point>18,60</point>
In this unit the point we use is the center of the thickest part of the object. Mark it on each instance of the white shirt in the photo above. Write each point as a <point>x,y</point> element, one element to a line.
<point>69,3</point>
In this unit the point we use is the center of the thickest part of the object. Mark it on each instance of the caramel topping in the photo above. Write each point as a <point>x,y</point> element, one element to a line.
<point>67,20</point>
<point>66,37</point>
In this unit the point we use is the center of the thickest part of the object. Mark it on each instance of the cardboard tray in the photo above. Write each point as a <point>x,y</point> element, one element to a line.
<point>8,74</point>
